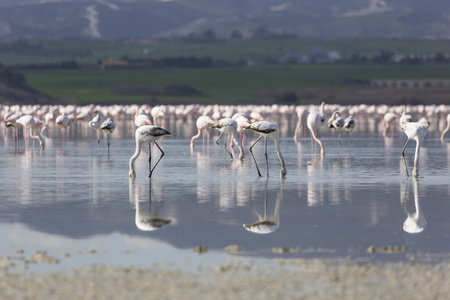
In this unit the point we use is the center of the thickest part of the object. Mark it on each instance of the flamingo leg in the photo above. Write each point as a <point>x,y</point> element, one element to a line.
<point>403,151</point>
<point>251,151</point>
<point>162,154</point>
<point>267,157</point>
<point>224,147</point>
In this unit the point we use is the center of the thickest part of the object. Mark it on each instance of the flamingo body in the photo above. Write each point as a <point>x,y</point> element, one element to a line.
<point>267,130</point>
<point>147,134</point>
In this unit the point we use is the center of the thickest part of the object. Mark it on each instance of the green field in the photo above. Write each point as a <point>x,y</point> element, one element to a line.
<point>219,85</point>
<point>90,51</point>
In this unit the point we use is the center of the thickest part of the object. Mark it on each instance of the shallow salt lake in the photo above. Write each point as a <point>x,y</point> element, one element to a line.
<point>76,202</point>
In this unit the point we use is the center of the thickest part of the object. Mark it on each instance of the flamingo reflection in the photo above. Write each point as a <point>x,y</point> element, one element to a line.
<point>415,222</point>
<point>267,224</point>
<point>146,219</point>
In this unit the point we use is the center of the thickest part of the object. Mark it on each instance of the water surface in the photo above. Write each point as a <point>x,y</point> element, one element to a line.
<point>77,196</point>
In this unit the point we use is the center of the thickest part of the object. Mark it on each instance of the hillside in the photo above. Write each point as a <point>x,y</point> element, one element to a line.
<point>328,19</point>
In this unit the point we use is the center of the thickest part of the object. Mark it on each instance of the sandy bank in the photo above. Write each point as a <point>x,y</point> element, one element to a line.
<point>285,279</point>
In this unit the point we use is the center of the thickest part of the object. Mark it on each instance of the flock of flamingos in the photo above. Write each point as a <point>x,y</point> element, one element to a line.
<point>230,121</point>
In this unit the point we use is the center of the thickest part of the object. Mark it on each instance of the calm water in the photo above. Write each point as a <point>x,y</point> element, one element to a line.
<point>76,196</point>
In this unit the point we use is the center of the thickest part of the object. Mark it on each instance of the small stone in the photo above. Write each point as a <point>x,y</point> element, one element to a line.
<point>201,249</point>
<point>233,249</point>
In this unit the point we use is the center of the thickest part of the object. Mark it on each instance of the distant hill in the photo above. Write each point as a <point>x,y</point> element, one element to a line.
<point>105,19</point>
<point>14,90</point>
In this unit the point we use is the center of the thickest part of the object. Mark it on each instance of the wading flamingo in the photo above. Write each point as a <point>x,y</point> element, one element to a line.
<point>349,124</point>
<point>314,121</point>
<point>108,127</point>
<point>141,119</point>
<point>203,124</point>
<point>147,134</point>
<point>95,123</point>
<point>62,121</point>
<point>267,130</point>
<point>388,119</point>
<point>446,128</point>
<point>228,126</point>
<point>336,122</point>
<point>417,132</point>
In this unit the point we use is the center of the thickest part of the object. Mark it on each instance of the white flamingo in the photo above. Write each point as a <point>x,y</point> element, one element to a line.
<point>141,119</point>
<point>108,127</point>
<point>417,132</point>
<point>388,119</point>
<point>157,113</point>
<point>228,126</point>
<point>147,134</point>
<point>203,123</point>
<point>349,124</point>
<point>446,128</point>
<point>95,124</point>
<point>336,122</point>
<point>62,121</point>
<point>315,120</point>
<point>29,122</point>
<point>267,130</point>
<point>302,112</point>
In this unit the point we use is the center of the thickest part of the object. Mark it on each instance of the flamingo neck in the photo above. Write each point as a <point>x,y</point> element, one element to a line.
<point>135,155</point>
<point>196,137</point>
<point>444,131</point>
<point>280,156</point>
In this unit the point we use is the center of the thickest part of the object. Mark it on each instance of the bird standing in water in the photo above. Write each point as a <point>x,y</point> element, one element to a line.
<point>228,126</point>
<point>417,132</point>
<point>95,123</point>
<point>267,130</point>
<point>108,127</point>
<point>349,124</point>
<point>337,123</point>
<point>313,122</point>
<point>203,124</point>
<point>147,134</point>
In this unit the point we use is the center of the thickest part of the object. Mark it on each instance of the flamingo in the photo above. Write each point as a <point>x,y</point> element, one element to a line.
<point>416,131</point>
<point>203,124</point>
<point>313,122</point>
<point>141,119</point>
<point>62,121</point>
<point>95,123</point>
<point>349,124</point>
<point>337,123</point>
<point>108,127</point>
<point>157,113</point>
<point>404,118</point>
<point>446,128</point>
<point>388,119</point>
<point>228,126</point>
<point>147,134</point>
<point>301,113</point>
<point>28,121</point>
<point>267,129</point>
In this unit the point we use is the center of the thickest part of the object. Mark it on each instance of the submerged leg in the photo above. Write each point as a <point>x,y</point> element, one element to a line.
<point>225,147</point>
<point>251,152</point>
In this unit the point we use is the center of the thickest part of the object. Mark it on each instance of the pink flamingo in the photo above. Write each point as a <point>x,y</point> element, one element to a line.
<point>315,120</point>
<point>203,123</point>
